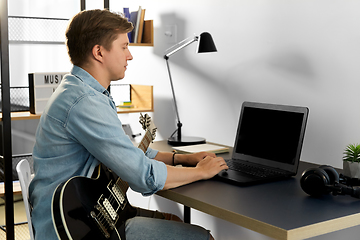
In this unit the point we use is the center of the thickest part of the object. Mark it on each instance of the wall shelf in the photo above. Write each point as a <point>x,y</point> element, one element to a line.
<point>148,35</point>
<point>142,44</point>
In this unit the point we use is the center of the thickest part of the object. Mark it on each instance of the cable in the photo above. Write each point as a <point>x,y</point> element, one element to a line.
<point>149,202</point>
<point>117,233</point>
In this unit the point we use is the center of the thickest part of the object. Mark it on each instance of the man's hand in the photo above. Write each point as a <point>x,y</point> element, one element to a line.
<point>210,166</point>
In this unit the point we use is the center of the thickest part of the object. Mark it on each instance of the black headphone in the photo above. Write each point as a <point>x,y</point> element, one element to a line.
<point>324,180</point>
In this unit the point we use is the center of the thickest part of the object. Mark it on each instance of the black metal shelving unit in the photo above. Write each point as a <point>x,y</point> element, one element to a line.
<point>6,119</point>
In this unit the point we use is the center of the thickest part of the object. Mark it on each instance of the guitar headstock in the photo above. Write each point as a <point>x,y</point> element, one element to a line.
<point>148,125</point>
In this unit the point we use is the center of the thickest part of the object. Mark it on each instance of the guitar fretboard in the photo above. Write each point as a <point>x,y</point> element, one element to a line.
<point>145,142</point>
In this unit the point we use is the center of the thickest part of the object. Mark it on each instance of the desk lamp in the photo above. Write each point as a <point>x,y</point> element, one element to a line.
<point>205,44</point>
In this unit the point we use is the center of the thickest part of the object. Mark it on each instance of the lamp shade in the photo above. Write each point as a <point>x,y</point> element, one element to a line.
<point>206,43</point>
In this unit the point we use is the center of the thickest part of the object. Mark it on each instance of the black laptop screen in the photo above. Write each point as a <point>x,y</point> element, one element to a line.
<point>270,134</point>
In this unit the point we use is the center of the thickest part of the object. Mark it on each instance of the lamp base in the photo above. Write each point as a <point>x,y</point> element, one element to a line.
<point>185,141</point>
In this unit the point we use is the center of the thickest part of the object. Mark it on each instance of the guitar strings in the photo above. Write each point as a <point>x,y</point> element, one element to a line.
<point>103,221</point>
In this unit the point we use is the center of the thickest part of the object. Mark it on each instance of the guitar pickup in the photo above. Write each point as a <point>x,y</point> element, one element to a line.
<point>118,193</point>
<point>109,208</point>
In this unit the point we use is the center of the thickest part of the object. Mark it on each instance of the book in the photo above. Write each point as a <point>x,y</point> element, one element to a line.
<point>126,105</point>
<point>41,87</point>
<point>133,19</point>
<point>141,26</point>
<point>207,147</point>
<point>137,26</point>
<point>127,15</point>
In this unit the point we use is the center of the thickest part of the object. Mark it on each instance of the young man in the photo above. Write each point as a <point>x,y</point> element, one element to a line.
<point>79,129</point>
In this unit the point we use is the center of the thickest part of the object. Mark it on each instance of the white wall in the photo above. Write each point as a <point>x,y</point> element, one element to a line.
<point>288,52</point>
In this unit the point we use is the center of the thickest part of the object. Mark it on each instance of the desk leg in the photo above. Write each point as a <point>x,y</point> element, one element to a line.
<point>187,216</point>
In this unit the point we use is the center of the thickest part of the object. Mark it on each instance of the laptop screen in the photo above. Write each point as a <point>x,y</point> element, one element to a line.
<point>271,135</point>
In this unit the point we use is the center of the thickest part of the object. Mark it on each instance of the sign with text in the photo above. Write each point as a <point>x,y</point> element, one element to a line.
<point>41,87</point>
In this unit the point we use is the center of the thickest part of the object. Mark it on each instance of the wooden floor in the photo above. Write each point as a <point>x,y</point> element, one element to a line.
<point>21,227</point>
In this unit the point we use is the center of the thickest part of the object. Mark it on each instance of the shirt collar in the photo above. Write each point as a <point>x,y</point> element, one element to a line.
<point>85,77</point>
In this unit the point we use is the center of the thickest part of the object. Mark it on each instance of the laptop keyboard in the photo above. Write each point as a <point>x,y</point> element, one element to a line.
<point>253,170</point>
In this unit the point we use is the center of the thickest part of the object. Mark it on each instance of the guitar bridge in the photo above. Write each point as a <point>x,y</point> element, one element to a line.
<point>100,224</point>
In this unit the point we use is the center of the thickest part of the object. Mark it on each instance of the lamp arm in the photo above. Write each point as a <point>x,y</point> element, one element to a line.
<point>173,92</point>
<point>196,38</point>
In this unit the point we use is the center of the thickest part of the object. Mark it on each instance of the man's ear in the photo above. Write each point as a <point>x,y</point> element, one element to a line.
<point>97,53</point>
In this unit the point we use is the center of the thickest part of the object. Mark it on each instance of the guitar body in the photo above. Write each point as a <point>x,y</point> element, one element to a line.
<point>85,208</point>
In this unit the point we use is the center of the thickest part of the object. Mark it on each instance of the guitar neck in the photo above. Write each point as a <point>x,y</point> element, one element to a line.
<point>145,142</point>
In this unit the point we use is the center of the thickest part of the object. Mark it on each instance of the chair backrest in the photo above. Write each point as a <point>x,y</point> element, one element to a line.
<point>24,173</point>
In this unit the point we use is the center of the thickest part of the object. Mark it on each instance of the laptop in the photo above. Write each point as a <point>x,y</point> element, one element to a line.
<point>268,143</point>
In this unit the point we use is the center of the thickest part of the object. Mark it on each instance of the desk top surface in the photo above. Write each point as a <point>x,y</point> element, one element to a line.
<point>281,204</point>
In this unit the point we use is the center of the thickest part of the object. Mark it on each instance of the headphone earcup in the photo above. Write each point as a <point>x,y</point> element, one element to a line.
<point>332,173</point>
<point>314,181</point>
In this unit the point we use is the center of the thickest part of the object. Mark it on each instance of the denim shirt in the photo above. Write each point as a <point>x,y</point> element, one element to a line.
<point>78,129</point>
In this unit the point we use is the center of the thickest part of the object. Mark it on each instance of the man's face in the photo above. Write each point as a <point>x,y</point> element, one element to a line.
<point>116,59</point>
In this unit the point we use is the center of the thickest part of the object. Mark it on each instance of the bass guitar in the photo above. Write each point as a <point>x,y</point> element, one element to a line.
<point>96,208</point>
